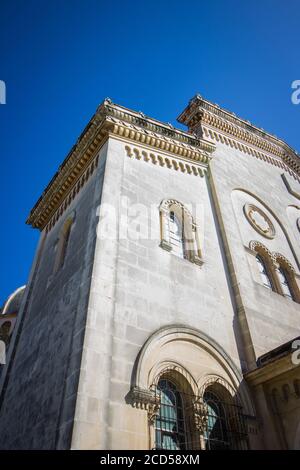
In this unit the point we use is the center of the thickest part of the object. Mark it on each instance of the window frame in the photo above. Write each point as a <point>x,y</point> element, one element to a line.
<point>163,417</point>
<point>260,260</point>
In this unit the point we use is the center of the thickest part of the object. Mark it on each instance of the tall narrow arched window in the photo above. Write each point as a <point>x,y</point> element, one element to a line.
<point>284,282</point>
<point>62,244</point>
<point>5,332</point>
<point>216,434</point>
<point>176,234</point>
<point>179,232</point>
<point>169,424</point>
<point>264,272</point>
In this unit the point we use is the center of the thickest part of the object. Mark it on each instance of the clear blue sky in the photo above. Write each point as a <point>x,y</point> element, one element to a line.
<point>60,59</point>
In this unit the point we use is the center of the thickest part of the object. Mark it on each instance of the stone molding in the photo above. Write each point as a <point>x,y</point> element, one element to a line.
<point>200,413</point>
<point>144,399</point>
<point>208,118</point>
<point>268,230</point>
<point>72,194</point>
<point>251,151</point>
<point>169,162</point>
<point>280,259</point>
<point>114,120</point>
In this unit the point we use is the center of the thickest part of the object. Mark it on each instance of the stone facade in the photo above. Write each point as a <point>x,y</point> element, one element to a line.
<point>112,312</point>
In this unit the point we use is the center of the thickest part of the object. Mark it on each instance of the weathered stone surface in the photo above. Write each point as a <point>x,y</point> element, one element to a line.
<point>122,309</point>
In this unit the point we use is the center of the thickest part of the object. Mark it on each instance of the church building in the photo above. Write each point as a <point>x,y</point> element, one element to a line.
<point>162,307</point>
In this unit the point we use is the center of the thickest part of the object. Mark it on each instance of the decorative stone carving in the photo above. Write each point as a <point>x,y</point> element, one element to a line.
<point>298,224</point>
<point>111,119</point>
<point>163,161</point>
<point>200,415</point>
<point>256,246</point>
<point>277,259</point>
<point>214,121</point>
<point>145,400</point>
<point>153,412</point>
<point>259,221</point>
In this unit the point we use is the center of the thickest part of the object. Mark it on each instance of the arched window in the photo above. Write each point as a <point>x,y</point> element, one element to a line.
<point>169,424</point>
<point>179,232</point>
<point>284,282</point>
<point>287,283</point>
<point>276,272</point>
<point>264,273</point>
<point>216,432</point>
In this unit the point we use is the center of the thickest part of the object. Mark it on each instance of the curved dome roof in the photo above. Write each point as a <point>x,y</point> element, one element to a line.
<point>12,304</point>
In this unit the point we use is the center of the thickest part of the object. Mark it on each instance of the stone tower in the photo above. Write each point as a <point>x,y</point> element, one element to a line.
<point>163,302</point>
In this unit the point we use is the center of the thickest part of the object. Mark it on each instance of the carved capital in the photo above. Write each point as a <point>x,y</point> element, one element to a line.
<point>153,412</point>
<point>145,400</point>
<point>200,415</point>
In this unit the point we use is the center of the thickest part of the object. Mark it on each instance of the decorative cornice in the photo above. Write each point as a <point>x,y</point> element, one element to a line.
<point>72,194</point>
<point>111,119</point>
<point>68,173</point>
<point>201,114</point>
<point>200,413</point>
<point>184,166</point>
<point>153,129</point>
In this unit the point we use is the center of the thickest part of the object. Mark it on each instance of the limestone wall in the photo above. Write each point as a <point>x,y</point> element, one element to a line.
<point>239,178</point>
<point>138,288</point>
<point>39,399</point>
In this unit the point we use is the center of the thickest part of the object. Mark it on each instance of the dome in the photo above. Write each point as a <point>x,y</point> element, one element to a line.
<point>12,304</point>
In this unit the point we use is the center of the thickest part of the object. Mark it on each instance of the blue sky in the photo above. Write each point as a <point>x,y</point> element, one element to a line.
<point>60,59</point>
